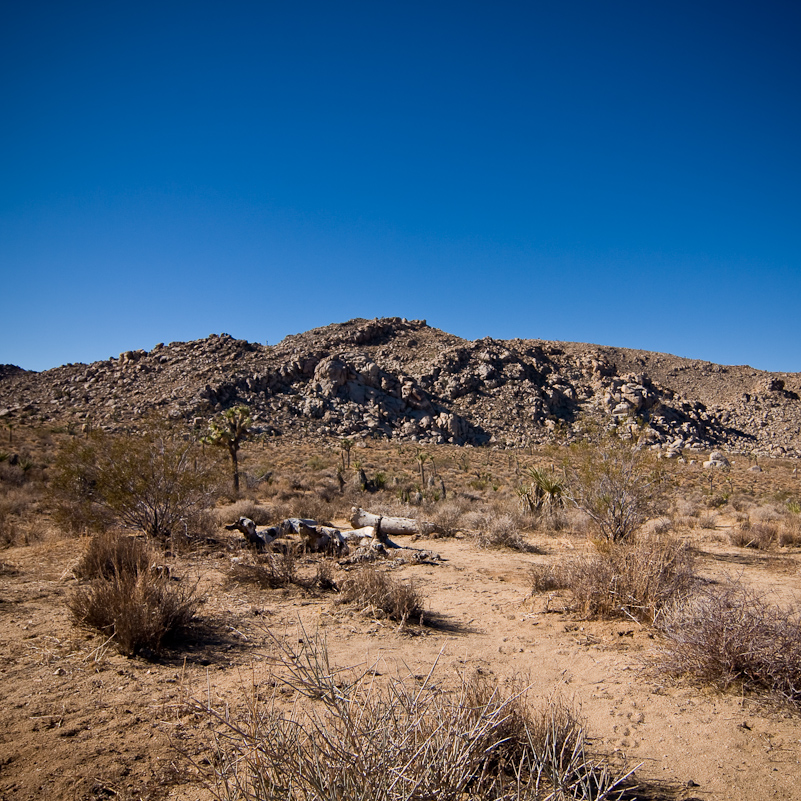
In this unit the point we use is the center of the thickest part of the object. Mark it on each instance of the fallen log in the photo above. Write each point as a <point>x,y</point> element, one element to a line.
<point>258,537</point>
<point>364,533</point>
<point>396,526</point>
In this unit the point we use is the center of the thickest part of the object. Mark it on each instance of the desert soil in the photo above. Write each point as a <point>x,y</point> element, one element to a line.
<point>79,721</point>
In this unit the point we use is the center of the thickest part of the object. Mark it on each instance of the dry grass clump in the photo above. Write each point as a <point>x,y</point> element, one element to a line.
<point>731,636</point>
<point>790,531</point>
<point>376,590</point>
<point>21,492</point>
<point>355,738</point>
<point>547,578</point>
<point>113,554</point>
<point>9,527</point>
<point>447,517</point>
<point>708,521</point>
<point>760,535</point>
<point>128,601</point>
<point>496,529</point>
<point>261,515</point>
<point>268,571</point>
<point>765,514</point>
<point>635,579</point>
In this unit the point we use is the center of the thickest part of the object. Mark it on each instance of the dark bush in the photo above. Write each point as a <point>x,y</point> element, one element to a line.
<point>140,611</point>
<point>127,599</point>
<point>111,554</point>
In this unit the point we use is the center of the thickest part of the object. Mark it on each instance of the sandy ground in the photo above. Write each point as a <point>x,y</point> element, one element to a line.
<point>78,721</point>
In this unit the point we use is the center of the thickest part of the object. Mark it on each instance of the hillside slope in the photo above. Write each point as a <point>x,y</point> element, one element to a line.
<point>402,379</point>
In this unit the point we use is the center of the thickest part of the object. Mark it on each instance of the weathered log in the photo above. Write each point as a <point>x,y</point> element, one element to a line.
<point>322,538</point>
<point>396,526</point>
<point>258,537</point>
<point>366,532</point>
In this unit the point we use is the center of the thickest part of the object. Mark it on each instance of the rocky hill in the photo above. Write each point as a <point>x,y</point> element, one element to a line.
<point>403,380</point>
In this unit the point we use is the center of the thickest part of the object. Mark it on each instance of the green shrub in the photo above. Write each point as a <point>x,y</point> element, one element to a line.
<point>156,482</point>
<point>616,484</point>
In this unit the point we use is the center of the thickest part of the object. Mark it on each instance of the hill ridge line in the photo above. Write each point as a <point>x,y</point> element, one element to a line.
<point>401,379</point>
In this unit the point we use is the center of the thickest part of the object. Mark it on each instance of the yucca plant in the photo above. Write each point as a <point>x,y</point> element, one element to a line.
<point>545,495</point>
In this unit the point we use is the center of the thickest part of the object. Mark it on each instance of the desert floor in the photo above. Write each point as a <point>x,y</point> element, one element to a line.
<point>80,721</point>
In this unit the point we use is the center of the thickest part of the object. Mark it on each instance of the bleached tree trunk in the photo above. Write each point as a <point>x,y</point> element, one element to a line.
<point>395,526</point>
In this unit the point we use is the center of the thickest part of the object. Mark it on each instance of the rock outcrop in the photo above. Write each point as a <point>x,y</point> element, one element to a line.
<point>401,379</point>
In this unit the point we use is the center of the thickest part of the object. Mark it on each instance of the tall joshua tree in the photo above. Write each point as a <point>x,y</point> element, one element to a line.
<point>229,430</point>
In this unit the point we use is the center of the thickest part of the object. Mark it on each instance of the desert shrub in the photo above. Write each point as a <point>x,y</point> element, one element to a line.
<point>327,489</point>
<point>739,504</point>
<point>140,611</point>
<point>312,506</point>
<point>707,521</point>
<point>111,554</point>
<point>635,578</point>
<point>154,482</point>
<point>269,571</point>
<point>11,474</point>
<point>547,578</point>
<point>261,515</point>
<point>658,525</point>
<point>577,522</point>
<point>198,523</point>
<point>741,536</point>
<point>717,501</point>
<point>764,514</point>
<point>357,739</point>
<point>8,527</point>
<point>790,531</point>
<point>316,463</point>
<point>685,507</point>
<point>324,578</point>
<point>74,491</point>
<point>759,535</point>
<point>447,516</point>
<point>496,529</point>
<point>731,636</point>
<point>616,484</point>
<point>127,600</point>
<point>375,589</point>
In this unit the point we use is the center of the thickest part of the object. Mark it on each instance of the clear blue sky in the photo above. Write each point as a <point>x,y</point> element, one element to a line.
<point>624,173</point>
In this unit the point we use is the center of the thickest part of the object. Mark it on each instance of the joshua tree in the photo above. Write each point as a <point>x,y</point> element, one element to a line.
<point>346,444</point>
<point>422,458</point>
<point>229,430</point>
